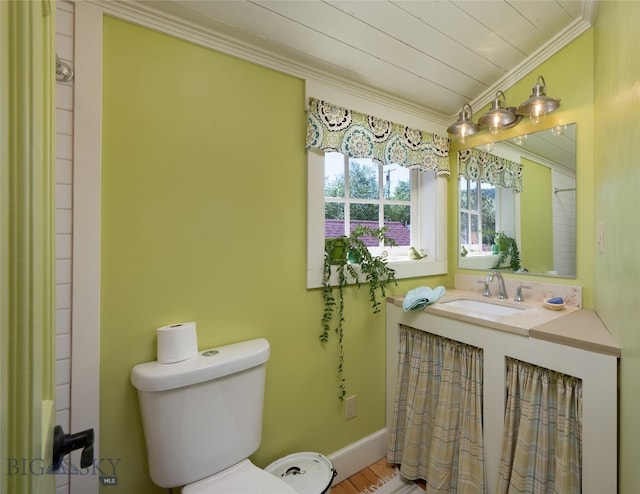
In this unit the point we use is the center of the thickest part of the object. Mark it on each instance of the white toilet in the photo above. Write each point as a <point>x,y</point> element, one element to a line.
<point>202,420</point>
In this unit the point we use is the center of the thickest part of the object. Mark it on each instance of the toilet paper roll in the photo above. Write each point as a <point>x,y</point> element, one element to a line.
<point>177,342</point>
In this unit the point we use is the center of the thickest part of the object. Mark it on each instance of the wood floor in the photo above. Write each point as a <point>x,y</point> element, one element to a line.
<point>366,478</point>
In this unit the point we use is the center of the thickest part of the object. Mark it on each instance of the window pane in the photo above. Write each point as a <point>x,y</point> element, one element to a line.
<point>399,214</point>
<point>334,210</point>
<point>365,214</point>
<point>397,182</point>
<point>475,229</point>
<point>334,175</point>
<point>464,228</point>
<point>488,213</point>
<point>464,193</point>
<point>363,179</point>
<point>398,220</point>
<point>333,219</point>
<point>473,195</point>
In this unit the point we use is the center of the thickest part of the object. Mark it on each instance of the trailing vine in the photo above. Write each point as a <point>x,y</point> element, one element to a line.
<point>351,259</point>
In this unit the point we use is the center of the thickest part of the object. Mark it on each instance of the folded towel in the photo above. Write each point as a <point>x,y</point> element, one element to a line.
<point>557,300</point>
<point>418,298</point>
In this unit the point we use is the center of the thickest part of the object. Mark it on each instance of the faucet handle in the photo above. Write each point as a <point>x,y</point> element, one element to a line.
<point>519,297</point>
<point>486,292</point>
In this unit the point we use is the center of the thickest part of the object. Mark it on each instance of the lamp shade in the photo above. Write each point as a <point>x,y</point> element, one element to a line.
<point>538,104</point>
<point>498,117</point>
<point>464,126</point>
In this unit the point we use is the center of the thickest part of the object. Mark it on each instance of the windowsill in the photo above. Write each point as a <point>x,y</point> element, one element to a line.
<point>478,261</point>
<point>403,267</point>
<point>409,268</point>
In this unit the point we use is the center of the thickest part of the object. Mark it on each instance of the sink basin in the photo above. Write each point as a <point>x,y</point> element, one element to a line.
<point>480,307</point>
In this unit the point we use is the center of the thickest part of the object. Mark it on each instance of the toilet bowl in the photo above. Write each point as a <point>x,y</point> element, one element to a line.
<point>243,478</point>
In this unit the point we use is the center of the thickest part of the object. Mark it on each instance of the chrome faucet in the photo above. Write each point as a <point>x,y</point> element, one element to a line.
<point>502,290</point>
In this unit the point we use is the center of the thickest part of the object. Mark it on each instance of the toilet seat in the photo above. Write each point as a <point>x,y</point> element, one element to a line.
<point>242,478</point>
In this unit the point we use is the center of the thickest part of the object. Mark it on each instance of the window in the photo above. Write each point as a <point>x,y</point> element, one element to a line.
<point>477,215</point>
<point>408,193</point>
<point>344,193</point>
<point>488,202</point>
<point>484,210</point>
<point>360,192</point>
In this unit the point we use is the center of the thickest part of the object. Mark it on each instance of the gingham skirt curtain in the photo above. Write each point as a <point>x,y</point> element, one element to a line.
<point>436,433</point>
<point>542,442</point>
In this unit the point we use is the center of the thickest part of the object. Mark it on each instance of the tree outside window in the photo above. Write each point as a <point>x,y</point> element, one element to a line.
<point>360,192</point>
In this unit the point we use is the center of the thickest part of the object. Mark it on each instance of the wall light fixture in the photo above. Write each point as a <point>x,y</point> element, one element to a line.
<point>538,104</point>
<point>500,117</point>
<point>464,126</point>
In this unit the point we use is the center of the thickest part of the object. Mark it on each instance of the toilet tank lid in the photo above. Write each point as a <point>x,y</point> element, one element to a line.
<point>207,365</point>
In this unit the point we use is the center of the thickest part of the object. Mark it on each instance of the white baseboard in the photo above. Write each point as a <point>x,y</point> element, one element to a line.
<point>356,456</point>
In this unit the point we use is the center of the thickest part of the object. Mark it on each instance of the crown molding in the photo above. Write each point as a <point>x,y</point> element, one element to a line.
<point>589,8</point>
<point>188,29</point>
<point>546,51</point>
<point>144,14</point>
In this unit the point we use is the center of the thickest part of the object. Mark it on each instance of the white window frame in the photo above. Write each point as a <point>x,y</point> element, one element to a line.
<point>431,227</point>
<point>470,213</point>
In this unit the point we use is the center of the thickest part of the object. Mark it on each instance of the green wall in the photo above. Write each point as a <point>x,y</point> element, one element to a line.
<point>617,201</point>
<point>536,217</point>
<point>204,219</point>
<point>569,76</point>
<point>204,167</point>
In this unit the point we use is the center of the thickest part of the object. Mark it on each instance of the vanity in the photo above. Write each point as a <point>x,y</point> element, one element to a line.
<point>570,341</point>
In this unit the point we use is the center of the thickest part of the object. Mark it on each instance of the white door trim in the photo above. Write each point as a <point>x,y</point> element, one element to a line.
<point>87,150</point>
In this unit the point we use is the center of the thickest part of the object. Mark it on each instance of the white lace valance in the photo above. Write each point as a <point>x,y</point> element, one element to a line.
<point>477,165</point>
<point>354,134</point>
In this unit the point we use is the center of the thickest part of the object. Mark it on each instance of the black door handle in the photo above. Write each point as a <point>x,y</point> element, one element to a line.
<point>63,444</point>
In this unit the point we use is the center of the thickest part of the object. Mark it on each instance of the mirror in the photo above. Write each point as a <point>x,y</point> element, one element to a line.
<point>540,219</point>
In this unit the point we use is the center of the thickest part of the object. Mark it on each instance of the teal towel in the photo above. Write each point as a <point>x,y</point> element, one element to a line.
<point>418,298</point>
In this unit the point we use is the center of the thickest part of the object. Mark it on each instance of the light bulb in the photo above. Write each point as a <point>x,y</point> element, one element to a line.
<point>537,113</point>
<point>536,119</point>
<point>494,130</point>
<point>520,140</point>
<point>558,130</point>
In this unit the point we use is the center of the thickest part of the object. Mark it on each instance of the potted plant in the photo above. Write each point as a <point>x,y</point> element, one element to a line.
<point>350,258</point>
<point>507,248</point>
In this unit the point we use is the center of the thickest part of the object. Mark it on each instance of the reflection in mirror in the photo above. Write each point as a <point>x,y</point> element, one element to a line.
<point>517,207</point>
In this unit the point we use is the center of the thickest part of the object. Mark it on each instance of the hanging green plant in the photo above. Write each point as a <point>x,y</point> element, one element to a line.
<point>350,258</point>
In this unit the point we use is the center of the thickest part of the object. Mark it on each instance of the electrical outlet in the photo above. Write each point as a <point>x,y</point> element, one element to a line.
<point>350,407</point>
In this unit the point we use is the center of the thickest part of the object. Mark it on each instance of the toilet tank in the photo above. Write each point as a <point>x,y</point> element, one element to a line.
<point>202,415</point>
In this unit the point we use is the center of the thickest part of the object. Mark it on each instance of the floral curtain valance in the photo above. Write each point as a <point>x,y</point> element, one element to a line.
<point>486,167</point>
<point>333,128</point>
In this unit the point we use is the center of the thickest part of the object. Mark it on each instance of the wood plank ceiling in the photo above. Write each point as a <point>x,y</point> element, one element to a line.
<point>437,55</point>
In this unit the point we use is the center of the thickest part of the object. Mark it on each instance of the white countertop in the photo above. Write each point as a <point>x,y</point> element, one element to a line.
<point>572,326</point>
<point>581,329</point>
